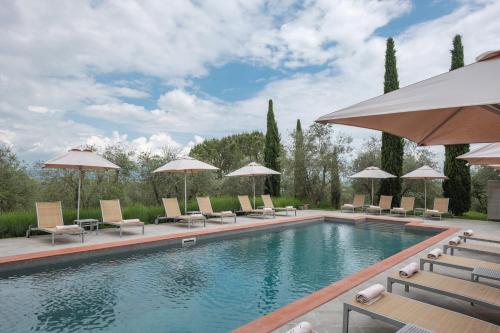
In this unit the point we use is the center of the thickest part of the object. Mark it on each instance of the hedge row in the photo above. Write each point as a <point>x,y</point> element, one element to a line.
<point>15,224</point>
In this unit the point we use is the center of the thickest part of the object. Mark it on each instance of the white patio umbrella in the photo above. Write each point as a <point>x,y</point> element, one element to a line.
<point>426,173</point>
<point>185,165</point>
<point>485,155</point>
<point>81,159</point>
<point>372,173</point>
<point>253,169</point>
<point>460,106</point>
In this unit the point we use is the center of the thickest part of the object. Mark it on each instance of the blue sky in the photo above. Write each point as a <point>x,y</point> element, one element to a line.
<point>153,74</point>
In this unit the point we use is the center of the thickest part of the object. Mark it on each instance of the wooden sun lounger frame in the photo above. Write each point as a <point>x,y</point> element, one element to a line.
<point>254,212</point>
<point>407,283</point>
<point>183,218</point>
<point>479,239</point>
<point>438,262</point>
<point>470,249</point>
<point>277,209</point>
<point>407,205</point>
<point>363,309</point>
<point>209,213</point>
<point>355,205</point>
<point>383,205</point>
<point>51,231</point>
<point>120,224</point>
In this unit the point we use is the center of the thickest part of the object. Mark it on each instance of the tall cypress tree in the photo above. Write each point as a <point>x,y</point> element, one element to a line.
<point>335,185</point>
<point>299,167</point>
<point>272,153</point>
<point>392,145</point>
<point>458,185</point>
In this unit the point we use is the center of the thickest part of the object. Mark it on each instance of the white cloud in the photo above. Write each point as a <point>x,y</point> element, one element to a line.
<point>52,56</point>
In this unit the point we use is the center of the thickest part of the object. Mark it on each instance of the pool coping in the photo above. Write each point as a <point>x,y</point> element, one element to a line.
<point>291,311</point>
<point>281,316</point>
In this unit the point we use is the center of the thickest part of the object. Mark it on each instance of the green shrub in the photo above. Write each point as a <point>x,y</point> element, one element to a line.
<point>15,224</point>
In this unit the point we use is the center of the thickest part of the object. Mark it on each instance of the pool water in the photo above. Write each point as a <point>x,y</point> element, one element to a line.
<point>214,286</point>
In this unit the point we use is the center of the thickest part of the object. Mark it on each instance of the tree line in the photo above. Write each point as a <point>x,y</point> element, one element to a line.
<point>314,163</point>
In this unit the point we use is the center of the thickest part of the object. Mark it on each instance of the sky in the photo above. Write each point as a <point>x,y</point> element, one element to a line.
<point>152,73</point>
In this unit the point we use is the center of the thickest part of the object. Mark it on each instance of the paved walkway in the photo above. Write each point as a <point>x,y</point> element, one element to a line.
<point>328,317</point>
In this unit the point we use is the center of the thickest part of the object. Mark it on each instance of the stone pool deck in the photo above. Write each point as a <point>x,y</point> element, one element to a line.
<point>322,309</point>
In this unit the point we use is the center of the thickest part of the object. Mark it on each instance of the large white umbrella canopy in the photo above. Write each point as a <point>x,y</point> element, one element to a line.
<point>485,155</point>
<point>460,106</point>
<point>425,173</point>
<point>185,165</point>
<point>80,159</point>
<point>372,173</point>
<point>253,169</point>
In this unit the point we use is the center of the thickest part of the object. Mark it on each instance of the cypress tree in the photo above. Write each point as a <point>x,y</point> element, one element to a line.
<point>272,153</point>
<point>392,145</point>
<point>458,185</point>
<point>299,167</point>
<point>335,185</point>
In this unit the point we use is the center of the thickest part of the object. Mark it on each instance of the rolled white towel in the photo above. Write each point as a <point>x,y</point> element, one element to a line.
<point>268,209</point>
<point>196,215</point>
<point>468,232</point>
<point>409,270</point>
<point>289,207</point>
<point>370,294</point>
<point>131,221</point>
<point>67,227</point>
<point>347,205</point>
<point>226,212</point>
<point>434,254</point>
<point>454,241</point>
<point>303,327</point>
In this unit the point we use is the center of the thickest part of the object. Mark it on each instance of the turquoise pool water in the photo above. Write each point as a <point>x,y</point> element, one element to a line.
<point>211,287</point>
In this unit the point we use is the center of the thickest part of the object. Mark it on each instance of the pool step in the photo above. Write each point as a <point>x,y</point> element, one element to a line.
<point>380,226</point>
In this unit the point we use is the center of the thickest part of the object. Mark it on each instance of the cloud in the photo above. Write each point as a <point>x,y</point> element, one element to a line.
<point>58,61</point>
<point>153,144</point>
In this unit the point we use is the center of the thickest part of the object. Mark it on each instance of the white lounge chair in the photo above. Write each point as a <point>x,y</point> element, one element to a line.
<point>383,205</point>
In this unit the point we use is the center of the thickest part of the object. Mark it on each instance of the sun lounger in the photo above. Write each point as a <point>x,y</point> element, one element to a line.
<point>172,211</point>
<point>401,311</point>
<point>357,203</point>
<point>246,207</point>
<point>472,292</point>
<point>50,220</point>
<point>268,203</point>
<point>407,205</point>
<point>481,249</point>
<point>112,215</point>
<point>383,205</point>
<point>205,207</point>
<point>462,263</point>
<point>481,238</point>
<point>440,208</point>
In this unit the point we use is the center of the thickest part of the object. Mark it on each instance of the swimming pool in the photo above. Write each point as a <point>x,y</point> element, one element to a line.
<point>214,286</point>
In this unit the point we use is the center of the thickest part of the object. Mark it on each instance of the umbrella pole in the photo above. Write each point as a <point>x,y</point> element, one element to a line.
<point>425,195</point>
<point>372,191</point>
<point>79,189</point>
<point>253,180</point>
<point>185,193</point>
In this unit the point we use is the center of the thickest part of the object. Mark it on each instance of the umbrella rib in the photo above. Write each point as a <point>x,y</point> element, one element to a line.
<point>492,108</point>
<point>422,141</point>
